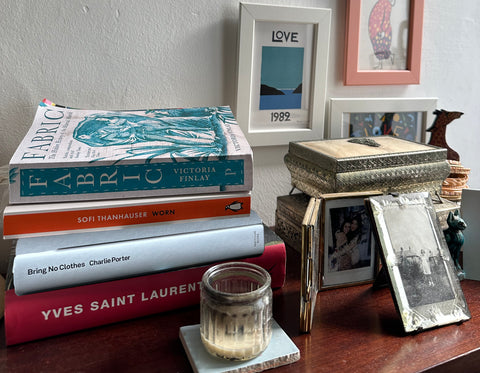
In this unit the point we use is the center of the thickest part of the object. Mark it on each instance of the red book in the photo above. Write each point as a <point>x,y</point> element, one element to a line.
<point>40,315</point>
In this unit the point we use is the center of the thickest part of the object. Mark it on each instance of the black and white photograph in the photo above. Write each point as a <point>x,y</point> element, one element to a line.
<point>424,284</point>
<point>418,258</point>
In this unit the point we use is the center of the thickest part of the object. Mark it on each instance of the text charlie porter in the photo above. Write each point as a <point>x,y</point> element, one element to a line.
<point>69,266</point>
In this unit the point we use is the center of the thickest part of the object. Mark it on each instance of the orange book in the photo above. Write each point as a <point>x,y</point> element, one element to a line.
<point>63,217</point>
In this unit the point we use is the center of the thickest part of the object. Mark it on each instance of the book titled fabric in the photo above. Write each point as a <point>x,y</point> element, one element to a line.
<point>39,315</point>
<point>40,219</point>
<point>72,154</point>
<point>51,262</point>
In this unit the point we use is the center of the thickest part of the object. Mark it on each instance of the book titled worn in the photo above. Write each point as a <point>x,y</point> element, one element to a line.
<point>40,315</point>
<point>40,219</point>
<point>72,154</point>
<point>50,262</point>
<point>385,163</point>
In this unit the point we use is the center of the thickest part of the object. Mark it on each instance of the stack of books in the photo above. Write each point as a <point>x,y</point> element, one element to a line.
<point>117,214</point>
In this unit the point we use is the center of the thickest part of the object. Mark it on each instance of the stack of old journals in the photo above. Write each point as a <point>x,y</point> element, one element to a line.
<point>382,163</point>
<point>117,214</point>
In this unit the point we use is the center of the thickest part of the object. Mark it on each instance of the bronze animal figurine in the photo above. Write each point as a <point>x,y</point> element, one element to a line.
<point>455,239</point>
<point>439,129</point>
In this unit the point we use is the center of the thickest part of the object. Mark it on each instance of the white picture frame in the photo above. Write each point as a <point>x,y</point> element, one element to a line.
<point>347,258</point>
<point>339,123</point>
<point>300,36</point>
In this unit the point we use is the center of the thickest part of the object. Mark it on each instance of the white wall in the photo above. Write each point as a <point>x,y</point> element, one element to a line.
<point>121,54</point>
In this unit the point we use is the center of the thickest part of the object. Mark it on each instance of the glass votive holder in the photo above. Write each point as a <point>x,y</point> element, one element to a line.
<point>236,310</point>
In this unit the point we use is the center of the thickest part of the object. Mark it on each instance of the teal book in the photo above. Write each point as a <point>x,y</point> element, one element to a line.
<point>74,154</point>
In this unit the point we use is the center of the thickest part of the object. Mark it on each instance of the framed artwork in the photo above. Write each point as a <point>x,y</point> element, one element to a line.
<point>282,71</point>
<point>470,209</point>
<point>416,259</point>
<point>383,42</point>
<point>407,118</point>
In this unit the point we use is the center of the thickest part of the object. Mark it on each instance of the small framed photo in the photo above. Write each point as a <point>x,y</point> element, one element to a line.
<point>347,245</point>
<point>383,42</point>
<point>406,118</point>
<point>418,264</point>
<point>282,70</point>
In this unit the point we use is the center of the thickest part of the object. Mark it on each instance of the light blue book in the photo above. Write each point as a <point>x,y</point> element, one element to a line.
<point>51,262</point>
<point>72,154</point>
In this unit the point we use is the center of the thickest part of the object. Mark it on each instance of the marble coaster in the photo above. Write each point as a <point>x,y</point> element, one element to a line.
<point>280,351</point>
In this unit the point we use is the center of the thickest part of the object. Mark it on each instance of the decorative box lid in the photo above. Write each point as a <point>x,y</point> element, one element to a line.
<point>363,153</point>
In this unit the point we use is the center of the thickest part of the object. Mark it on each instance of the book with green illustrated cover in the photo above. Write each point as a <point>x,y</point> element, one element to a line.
<point>73,154</point>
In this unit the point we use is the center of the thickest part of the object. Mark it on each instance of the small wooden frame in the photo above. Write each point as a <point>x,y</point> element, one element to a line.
<point>360,25</point>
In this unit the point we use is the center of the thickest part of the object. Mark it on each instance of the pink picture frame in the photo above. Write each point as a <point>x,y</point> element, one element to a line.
<point>355,75</point>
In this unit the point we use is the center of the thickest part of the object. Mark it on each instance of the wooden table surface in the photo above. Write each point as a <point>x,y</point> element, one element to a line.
<point>356,329</point>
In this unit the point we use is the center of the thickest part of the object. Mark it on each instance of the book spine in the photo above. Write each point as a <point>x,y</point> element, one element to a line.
<point>25,224</point>
<point>50,269</point>
<point>28,185</point>
<point>41,315</point>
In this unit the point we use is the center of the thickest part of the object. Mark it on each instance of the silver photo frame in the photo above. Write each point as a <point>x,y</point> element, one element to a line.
<point>416,259</point>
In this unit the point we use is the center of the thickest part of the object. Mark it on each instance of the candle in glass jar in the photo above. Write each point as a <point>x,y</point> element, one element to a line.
<point>236,310</point>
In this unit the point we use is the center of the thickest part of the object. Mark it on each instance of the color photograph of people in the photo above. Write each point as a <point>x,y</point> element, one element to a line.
<point>351,236</point>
